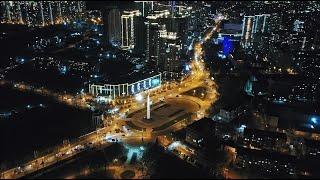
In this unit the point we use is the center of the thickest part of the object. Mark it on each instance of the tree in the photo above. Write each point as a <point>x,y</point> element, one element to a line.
<point>150,158</point>
<point>116,150</point>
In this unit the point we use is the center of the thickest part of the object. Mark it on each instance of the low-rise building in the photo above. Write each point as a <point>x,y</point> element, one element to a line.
<point>229,113</point>
<point>266,163</point>
<point>262,139</point>
<point>312,147</point>
<point>202,131</point>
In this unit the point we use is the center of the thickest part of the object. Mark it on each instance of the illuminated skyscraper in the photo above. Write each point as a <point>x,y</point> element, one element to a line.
<point>128,29</point>
<point>153,27</point>
<point>169,60</point>
<point>252,25</point>
<point>145,7</point>
<point>40,13</point>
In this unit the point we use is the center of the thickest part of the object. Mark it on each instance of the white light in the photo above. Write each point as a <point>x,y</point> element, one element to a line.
<point>139,97</point>
<point>243,126</point>
<point>314,120</point>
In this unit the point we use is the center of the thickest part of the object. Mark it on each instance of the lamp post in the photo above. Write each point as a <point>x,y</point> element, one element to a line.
<point>148,107</point>
<point>142,135</point>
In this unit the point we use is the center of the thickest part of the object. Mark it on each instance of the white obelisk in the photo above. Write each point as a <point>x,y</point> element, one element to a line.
<point>148,107</point>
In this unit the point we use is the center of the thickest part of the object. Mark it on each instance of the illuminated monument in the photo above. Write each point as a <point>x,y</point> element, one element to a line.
<point>148,107</point>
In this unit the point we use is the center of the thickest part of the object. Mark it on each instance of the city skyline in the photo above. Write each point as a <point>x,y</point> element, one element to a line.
<point>159,89</point>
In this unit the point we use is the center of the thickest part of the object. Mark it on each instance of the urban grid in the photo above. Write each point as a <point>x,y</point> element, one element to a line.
<point>159,89</point>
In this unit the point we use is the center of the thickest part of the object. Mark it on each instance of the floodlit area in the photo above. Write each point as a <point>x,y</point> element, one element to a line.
<point>134,154</point>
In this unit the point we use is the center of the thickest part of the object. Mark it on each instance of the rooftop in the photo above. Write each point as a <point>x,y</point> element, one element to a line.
<point>262,133</point>
<point>253,153</point>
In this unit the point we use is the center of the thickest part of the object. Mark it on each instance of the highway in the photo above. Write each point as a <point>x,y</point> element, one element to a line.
<point>199,77</point>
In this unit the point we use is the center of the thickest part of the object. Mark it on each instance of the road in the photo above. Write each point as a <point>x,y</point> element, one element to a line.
<point>199,77</point>
<point>78,101</point>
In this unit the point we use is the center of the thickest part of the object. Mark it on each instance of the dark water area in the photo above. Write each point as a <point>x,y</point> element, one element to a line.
<point>36,128</point>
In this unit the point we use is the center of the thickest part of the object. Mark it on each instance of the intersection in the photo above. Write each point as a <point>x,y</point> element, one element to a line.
<point>170,92</point>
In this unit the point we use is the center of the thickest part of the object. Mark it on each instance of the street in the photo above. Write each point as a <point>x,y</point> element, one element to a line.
<point>199,77</point>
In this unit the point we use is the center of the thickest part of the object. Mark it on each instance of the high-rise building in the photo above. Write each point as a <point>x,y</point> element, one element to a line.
<point>111,25</point>
<point>40,13</point>
<point>169,62</point>
<point>179,24</point>
<point>172,61</point>
<point>154,26</point>
<point>247,29</point>
<point>140,34</point>
<point>253,25</point>
<point>114,27</point>
<point>261,23</point>
<point>128,29</point>
<point>153,44</point>
<point>145,7</point>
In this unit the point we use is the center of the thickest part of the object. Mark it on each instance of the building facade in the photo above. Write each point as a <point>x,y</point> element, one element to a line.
<point>42,13</point>
<point>253,25</point>
<point>128,28</point>
<point>112,91</point>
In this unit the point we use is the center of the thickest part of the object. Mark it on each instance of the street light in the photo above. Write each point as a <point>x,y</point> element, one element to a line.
<point>139,97</point>
<point>142,135</point>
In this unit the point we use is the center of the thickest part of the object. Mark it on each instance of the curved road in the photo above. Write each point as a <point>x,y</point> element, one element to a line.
<point>199,77</point>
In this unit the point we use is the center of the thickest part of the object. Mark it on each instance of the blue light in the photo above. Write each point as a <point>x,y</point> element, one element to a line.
<point>314,120</point>
<point>222,56</point>
<point>155,82</point>
<point>63,69</point>
<point>227,46</point>
<point>138,86</point>
<point>243,126</point>
<point>187,67</point>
